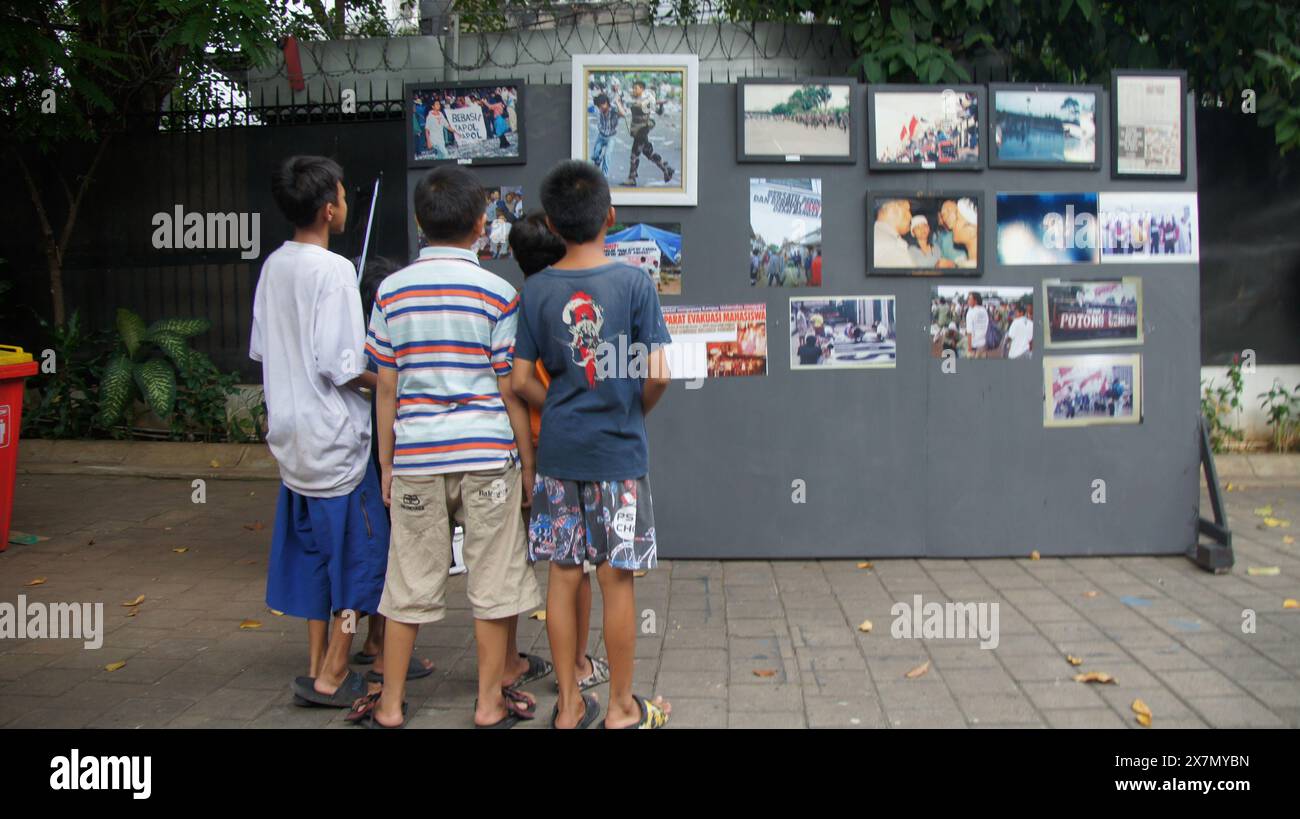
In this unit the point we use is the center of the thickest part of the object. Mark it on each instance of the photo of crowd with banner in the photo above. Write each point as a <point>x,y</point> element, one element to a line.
<point>1047,228</point>
<point>924,234</point>
<point>982,322</point>
<point>808,121</point>
<point>843,332</point>
<point>465,123</point>
<point>1093,313</point>
<point>1085,390</point>
<point>918,127</point>
<point>785,232</point>
<point>1145,228</point>
<point>716,341</point>
<point>655,248</point>
<point>1044,126</point>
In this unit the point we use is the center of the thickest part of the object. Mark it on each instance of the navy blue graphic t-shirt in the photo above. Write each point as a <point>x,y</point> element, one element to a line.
<point>583,325</point>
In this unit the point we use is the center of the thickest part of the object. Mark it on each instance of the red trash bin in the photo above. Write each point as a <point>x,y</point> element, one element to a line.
<point>15,367</point>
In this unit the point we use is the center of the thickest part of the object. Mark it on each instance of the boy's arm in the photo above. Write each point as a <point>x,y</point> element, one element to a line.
<point>656,384</point>
<point>525,384</point>
<point>385,417</point>
<point>366,381</point>
<point>517,411</point>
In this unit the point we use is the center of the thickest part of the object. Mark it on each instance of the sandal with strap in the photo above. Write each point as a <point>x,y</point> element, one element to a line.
<point>364,707</point>
<point>652,716</point>
<point>590,714</point>
<point>415,670</point>
<point>599,674</point>
<point>537,669</point>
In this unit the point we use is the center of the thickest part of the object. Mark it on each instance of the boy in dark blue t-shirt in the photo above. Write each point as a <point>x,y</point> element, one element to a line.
<point>597,328</point>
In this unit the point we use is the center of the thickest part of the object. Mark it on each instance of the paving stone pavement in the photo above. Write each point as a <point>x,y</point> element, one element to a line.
<point>1168,632</point>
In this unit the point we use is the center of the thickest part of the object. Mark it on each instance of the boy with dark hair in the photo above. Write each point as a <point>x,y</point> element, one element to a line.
<point>536,248</point>
<point>453,448</point>
<point>607,120</point>
<point>330,540</point>
<point>591,496</point>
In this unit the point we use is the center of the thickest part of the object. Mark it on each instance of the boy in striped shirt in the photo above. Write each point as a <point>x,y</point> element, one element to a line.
<point>454,447</point>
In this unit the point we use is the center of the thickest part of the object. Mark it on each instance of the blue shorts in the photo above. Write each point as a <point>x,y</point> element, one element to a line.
<point>329,554</point>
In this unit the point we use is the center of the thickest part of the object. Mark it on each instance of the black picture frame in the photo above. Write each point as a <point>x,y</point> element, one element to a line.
<point>874,197</point>
<point>1116,125</point>
<point>797,159</point>
<point>994,152</point>
<point>981,118</point>
<point>409,90</point>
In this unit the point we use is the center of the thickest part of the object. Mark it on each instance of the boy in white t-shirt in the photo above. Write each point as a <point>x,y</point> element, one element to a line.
<point>1020,335</point>
<point>329,549</point>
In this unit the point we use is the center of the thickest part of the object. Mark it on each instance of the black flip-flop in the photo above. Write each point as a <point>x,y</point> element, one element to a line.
<point>590,715</point>
<point>352,688</point>
<point>517,710</point>
<point>362,658</point>
<point>363,712</point>
<point>414,670</point>
<point>537,669</point>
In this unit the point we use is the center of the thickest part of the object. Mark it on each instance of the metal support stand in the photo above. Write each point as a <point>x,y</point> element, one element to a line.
<point>1216,555</point>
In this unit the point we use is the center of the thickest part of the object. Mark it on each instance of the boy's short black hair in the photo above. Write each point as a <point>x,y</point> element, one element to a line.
<point>448,204</point>
<point>639,82</point>
<point>601,99</point>
<point>302,185</point>
<point>377,269</point>
<point>575,195</point>
<point>533,244</point>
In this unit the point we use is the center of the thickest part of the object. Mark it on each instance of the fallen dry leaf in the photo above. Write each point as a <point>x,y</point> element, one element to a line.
<point>1144,720</point>
<point>35,581</point>
<point>133,612</point>
<point>866,564</point>
<point>250,624</point>
<point>1263,571</point>
<point>1277,523</point>
<point>1143,712</point>
<point>1091,593</point>
<point>919,671</point>
<point>1073,660</point>
<point>1265,511</point>
<point>214,463</point>
<point>255,526</point>
<point>538,615</point>
<point>1288,540</point>
<point>180,550</point>
<point>1095,676</point>
<point>1034,555</point>
<point>1228,487</point>
<point>640,573</point>
<point>134,602</point>
<point>115,666</point>
<point>1291,603</point>
<point>865,626</point>
<point>276,613</point>
<point>764,672</point>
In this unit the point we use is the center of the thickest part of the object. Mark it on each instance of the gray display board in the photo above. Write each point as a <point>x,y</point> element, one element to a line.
<point>910,461</point>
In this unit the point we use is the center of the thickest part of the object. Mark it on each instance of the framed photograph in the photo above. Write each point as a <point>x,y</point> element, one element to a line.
<point>1047,228</point>
<point>1044,126</point>
<point>636,117</point>
<point>785,232</point>
<point>718,341</point>
<point>1088,390</point>
<point>655,247</point>
<point>1148,124</point>
<point>466,123</point>
<point>925,127</point>
<point>981,321</point>
<point>924,234</point>
<point>1147,228</point>
<point>1094,313</point>
<point>806,120</point>
<point>843,332</point>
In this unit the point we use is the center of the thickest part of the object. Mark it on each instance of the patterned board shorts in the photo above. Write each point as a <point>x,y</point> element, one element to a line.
<point>573,521</point>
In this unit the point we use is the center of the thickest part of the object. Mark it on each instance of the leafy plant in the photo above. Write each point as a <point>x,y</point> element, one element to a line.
<point>145,364</point>
<point>1282,407</point>
<point>1220,403</point>
<point>66,407</point>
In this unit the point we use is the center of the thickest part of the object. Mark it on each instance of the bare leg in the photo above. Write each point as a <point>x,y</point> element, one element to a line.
<point>491,636</point>
<point>399,642</point>
<point>514,664</point>
<point>335,665</point>
<point>316,640</point>
<point>374,644</point>
<point>561,631</point>
<point>583,665</point>
<point>619,596</point>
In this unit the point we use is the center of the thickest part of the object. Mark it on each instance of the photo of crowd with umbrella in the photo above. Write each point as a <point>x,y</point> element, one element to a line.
<point>718,341</point>
<point>465,123</point>
<point>843,332</point>
<point>1092,313</point>
<point>1036,126</point>
<point>1087,390</point>
<point>656,248</point>
<point>924,234</point>
<point>811,120</point>
<point>785,232</point>
<point>920,127</point>
<point>981,322</point>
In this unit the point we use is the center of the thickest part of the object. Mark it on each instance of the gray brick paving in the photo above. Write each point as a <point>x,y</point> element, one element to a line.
<point>1168,632</point>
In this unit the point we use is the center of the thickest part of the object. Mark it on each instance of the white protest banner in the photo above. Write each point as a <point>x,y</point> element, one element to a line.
<point>644,254</point>
<point>468,123</point>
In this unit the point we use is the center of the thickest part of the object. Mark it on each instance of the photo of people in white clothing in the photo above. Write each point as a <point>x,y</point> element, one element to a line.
<point>982,322</point>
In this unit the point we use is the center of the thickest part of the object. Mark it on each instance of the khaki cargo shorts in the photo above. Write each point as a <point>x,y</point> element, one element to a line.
<point>425,509</point>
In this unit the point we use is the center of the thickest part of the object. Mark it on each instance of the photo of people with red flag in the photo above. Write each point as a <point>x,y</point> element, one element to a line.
<point>925,128</point>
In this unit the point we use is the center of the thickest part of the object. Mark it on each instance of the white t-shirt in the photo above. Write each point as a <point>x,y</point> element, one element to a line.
<point>309,334</point>
<point>977,326</point>
<point>1021,333</point>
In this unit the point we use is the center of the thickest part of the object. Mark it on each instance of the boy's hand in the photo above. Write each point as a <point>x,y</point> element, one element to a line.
<point>529,476</point>
<point>386,484</point>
